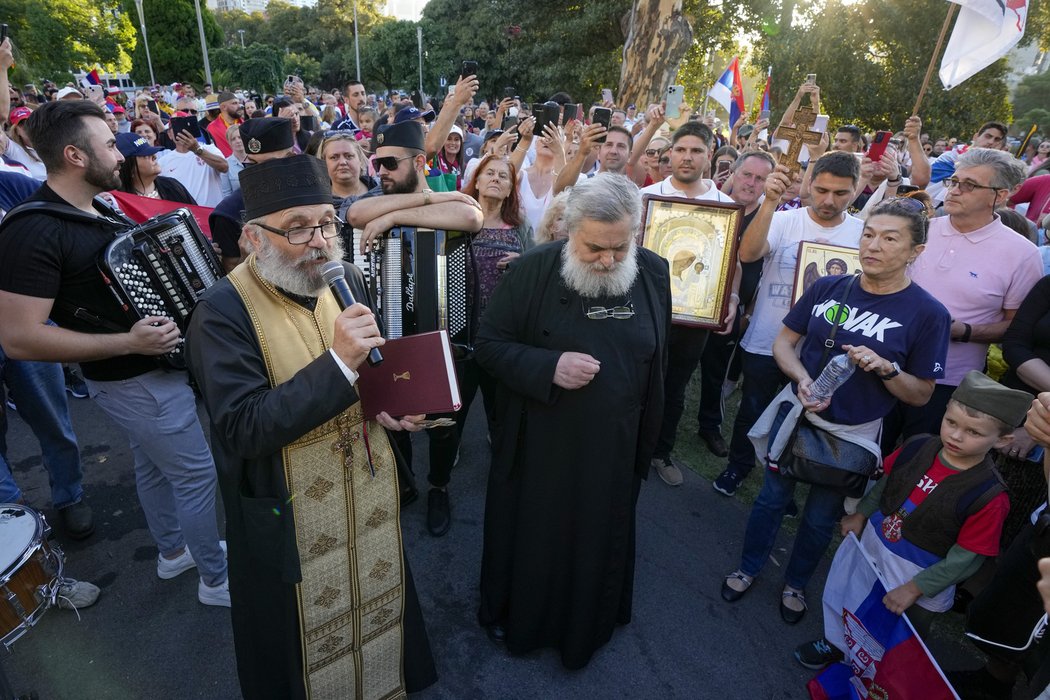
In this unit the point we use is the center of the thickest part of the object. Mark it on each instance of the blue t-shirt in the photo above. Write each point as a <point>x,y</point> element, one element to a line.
<point>908,327</point>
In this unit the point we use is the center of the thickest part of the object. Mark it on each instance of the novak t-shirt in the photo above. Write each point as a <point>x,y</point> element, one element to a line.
<point>908,327</point>
<point>200,179</point>
<point>773,299</point>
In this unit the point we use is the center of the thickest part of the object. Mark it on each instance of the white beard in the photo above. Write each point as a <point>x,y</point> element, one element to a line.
<point>288,275</point>
<point>588,280</point>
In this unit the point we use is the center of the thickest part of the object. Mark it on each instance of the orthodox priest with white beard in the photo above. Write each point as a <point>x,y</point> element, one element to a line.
<point>576,334</point>
<point>323,604</point>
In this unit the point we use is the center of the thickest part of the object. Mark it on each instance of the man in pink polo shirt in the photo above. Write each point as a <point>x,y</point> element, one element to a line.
<point>978,268</point>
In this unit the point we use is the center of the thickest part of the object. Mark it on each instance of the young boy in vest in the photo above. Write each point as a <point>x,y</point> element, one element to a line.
<point>939,510</point>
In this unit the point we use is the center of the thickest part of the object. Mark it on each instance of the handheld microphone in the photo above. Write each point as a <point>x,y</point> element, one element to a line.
<point>334,276</point>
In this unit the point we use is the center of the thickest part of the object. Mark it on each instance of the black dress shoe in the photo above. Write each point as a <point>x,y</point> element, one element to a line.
<point>439,520</point>
<point>715,444</point>
<point>497,633</point>
<point>730,594</point>
<point>77,520</point>
<point>790,616</point>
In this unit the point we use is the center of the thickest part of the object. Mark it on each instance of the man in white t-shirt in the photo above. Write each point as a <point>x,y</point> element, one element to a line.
<point>773,237</point>
<point>690,158</point>
<point>196,165</point>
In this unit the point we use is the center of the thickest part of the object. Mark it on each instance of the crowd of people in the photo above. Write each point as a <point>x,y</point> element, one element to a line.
<point>939,333</point>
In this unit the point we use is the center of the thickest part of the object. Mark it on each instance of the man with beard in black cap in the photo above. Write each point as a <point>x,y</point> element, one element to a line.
<point>323,601</point>
<point>264,140</point>
<point>406,200</point>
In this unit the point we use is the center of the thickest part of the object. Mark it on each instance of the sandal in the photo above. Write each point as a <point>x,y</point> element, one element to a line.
<point>790,615</point>
<point>730,594</point>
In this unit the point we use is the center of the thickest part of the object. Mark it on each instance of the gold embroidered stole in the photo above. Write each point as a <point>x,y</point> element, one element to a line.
<point>351,597</point>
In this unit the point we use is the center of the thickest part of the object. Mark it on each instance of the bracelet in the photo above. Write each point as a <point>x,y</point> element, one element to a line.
<point>894,182</point>
<point>965,337</point>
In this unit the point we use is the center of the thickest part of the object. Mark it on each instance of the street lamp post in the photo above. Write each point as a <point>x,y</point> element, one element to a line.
<point>241,32</point>
<point>204,45</point>
<point>357,45</point>
<point>419,40</point>
<point>145,42</point>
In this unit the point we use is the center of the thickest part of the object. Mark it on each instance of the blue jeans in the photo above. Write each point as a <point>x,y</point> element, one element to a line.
<point>174,472</point>
<point>822,511</point>
<point>763,380</point>
<point>39,390</point>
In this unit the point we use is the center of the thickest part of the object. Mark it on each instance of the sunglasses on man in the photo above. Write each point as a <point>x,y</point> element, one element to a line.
<point>390,163</point>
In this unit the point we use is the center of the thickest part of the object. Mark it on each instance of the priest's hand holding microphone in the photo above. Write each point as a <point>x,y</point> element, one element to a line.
<point>357,339</point>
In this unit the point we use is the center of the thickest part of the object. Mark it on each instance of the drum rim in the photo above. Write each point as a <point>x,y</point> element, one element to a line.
<point>34,544</point>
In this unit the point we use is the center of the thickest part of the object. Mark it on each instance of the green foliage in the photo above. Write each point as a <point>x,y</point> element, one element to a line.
<point>306,67</point>
<point>258,67</point>
<point>54,38</point>
<point>1038,116</point>
<point>538,47</point>
<point>174,42</point>
<point>870,71</point>
<point>389,55</point>
<point>322,35</point>
<point>1032,92</point>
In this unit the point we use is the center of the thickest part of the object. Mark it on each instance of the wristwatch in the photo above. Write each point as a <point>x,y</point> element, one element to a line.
<point>426,196</point>
<point>890,375</point>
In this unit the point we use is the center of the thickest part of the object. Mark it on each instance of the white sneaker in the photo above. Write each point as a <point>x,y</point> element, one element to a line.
<point>170,568</point>
<point>214,595</point>
<point>73,594</point>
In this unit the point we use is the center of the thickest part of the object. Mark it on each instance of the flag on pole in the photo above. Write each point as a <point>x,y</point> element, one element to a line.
<point>883,656</point>
<point>765,94</point>
<point>984,32</point>
<point>728,91</point>
<point>91,78</point>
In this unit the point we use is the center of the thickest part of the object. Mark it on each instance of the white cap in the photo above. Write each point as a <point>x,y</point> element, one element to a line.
<point>67,91</point>
<point>457,131</point>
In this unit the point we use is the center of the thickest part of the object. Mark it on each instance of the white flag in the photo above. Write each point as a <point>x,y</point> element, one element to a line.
<point>984,32</point>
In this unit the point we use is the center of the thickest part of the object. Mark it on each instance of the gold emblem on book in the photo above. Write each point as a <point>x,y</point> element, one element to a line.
<point>406,375</point>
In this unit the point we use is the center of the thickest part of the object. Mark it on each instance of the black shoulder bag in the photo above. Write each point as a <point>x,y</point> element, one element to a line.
<point>815,456</point>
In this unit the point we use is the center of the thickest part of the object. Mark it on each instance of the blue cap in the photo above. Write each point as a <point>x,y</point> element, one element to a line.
<point>132,145</point>
<point>409,113</point>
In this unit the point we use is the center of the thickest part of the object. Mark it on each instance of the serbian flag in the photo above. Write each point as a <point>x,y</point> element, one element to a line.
<point>142,208</point>
<point>765,94</point>
<point>884,658</point>
<point>728,91</point>
<point>984,32</point>
<point>91,78</point>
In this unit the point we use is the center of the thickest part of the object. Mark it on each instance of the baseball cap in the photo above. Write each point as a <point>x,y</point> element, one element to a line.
<point>410,113</point>
<point>132,145</point>
<point>67,91</point>
<point>18,115</point>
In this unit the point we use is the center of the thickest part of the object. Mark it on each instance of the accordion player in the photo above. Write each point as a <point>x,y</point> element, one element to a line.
<point>423,281</point>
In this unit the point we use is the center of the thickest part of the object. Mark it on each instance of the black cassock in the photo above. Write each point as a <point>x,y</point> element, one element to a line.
<point>558,563</point>
<point>250,424</point>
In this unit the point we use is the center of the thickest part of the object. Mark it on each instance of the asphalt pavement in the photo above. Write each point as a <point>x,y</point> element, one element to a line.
<point>148,638</point>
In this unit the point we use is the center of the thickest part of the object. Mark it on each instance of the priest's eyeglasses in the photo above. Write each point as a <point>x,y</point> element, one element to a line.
<point>597,313</point>
<point>966,186</point>
<point>301,235</point>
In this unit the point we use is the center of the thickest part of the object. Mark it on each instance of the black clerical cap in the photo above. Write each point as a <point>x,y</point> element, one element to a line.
<point>404,135</point>
<point>283,183</point>
<point>266,135</point>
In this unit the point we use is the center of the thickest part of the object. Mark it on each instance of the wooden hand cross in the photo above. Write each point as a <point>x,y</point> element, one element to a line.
<point>797,136</point>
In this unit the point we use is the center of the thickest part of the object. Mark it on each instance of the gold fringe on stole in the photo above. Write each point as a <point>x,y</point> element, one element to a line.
<point>351,598</point>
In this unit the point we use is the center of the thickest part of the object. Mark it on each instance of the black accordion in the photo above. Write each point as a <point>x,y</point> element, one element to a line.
<point>422,280</point>
<point>161,268</point>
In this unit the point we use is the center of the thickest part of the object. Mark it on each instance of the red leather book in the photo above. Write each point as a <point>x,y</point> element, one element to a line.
<point>417,375</point>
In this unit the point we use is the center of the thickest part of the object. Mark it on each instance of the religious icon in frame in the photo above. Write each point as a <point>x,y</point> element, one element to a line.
<point>698,239</point>
<point>816,260</point>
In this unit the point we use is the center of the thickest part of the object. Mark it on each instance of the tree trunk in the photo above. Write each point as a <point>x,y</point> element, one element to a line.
<point>658,37</point>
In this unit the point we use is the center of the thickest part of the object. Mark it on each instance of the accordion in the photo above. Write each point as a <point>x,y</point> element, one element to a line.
<point>161,268</point>
<point>422,280</point>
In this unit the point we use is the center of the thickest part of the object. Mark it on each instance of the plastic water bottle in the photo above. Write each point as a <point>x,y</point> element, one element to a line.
<point>834,375</point>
